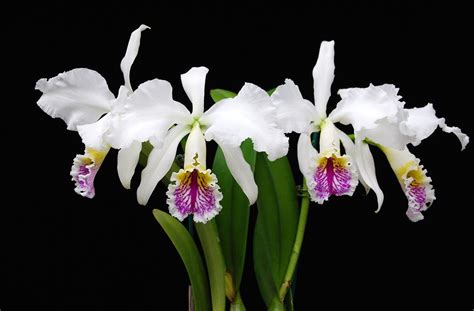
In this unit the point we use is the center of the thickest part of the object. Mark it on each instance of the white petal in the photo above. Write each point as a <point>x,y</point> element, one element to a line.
<point>248,115</point>
<point>422,122</point>
<point>387,132</point>
<point>323,76</point>
<point>194,82</point>
<point>93,135</point>
<point>349,148</point>
<point>159,163</point>
<point>127,161</point>
<point>241,170</point>
<point>306,156</point>
<point>363,107</point>
<point>79,96</point>
<point>463,138</point>
<point>293,112</point>
<point>148,114</point>
<point>366,166</point>
<point>132,51</point>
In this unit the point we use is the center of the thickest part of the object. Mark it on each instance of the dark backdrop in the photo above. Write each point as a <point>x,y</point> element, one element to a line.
<point>64,252</point>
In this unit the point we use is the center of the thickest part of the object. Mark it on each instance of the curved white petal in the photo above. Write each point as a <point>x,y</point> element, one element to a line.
<point>79,96</point>
<point>349,148</point>
<point>248,115</point>
<point>194,82</point>
<point>159,163</point>
<point>306,156</point>
<point>241,170</point>
<point>127,160</point>
<point>366,166</point>
<point>422,122</point>
<point>363,107</point>
<point>93,134</point>
<point>293,112</point>
<point>132,51</point>
<point>387,132</point>
<point>147,115</point>
<point>323,76</point>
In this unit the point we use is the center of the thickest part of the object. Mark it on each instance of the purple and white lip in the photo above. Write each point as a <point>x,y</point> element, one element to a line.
<point>84,169</point>
<point>194,192</point>
<point>333,175</point>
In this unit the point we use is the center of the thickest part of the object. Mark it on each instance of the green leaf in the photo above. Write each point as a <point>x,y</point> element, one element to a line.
<point>219,94</point>
<point>270,92</point>
<point>276,225</point>
<point>233,220</point>
<point>187,249</point>
<point>215,262</point>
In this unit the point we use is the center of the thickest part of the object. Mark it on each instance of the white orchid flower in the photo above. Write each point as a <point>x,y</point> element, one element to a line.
<point>327,172</point>
<point>153,115</point>
<point>83,100</point>
<point>362,108</point>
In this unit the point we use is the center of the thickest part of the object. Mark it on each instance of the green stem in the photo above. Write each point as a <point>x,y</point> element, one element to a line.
<point>215,262</point>
<point>237,304</point>
<point>297,245</point>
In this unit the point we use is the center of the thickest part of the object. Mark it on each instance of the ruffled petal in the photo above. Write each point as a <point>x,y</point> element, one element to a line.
<point>127,161</point>
<point>414,181</point>
<point>159,163</point>
<point>85,168</point>
<point>248,115</point>
<point>132,51</point>
<point>79,96</point>
<point>334,175</point>
<point>148,113</point>
<point>366,167</point>
<point>422,122</point>
<point>363,107</point>
<point>293,112</point>
<point>241,171</point>
<point>323,76</point>
<point>194,191</point>
<point>194,82</point>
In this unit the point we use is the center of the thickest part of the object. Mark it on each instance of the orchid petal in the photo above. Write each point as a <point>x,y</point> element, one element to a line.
<point>241,171</point>
<point>93,134</point>
<point>366,167</point>
<point>349,148</point>
<point>422,122</point>
<point>414,181</point>
<point>159,163</point>
<point>79,96</point>
<point>131,54</point>
<point>127,160</point>
<point>363,107</point>
<point>84,169</point>
<point>293,112</point>
<point>306,156</point>
<point>194,82</point>
<point>248,115</point>
<point>323,76</point>
<point>147,115</point>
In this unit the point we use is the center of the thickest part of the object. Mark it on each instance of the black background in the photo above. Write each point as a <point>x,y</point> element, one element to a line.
<point>64,252</point>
